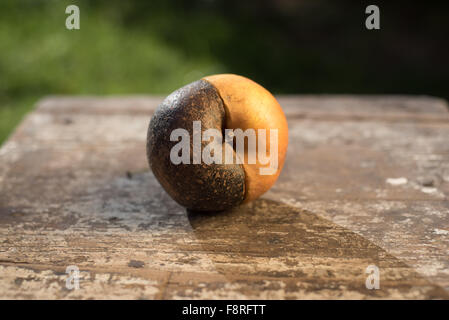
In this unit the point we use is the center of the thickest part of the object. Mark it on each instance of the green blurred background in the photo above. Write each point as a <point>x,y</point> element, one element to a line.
<point>154,47</point>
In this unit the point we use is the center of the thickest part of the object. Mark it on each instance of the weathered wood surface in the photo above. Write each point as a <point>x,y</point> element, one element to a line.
<point>366,182</point>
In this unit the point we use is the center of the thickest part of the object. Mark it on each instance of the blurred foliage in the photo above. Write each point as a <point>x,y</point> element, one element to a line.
<point>156,46</point>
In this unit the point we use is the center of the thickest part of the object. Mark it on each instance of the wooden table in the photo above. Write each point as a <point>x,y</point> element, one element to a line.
<point>366,182</point>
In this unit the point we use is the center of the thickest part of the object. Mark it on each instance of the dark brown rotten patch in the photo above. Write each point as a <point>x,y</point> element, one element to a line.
<point>201,187</point>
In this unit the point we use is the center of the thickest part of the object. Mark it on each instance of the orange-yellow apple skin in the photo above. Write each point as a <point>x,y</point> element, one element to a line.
<point>248,105</point>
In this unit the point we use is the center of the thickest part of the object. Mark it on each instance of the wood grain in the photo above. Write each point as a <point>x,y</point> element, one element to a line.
<point>75,189</point>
